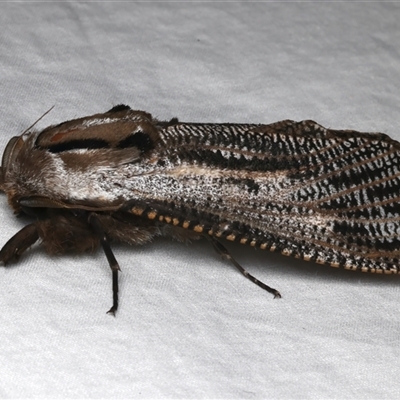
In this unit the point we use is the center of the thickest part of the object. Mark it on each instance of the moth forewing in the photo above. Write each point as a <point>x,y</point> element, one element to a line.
<point>323,195</point>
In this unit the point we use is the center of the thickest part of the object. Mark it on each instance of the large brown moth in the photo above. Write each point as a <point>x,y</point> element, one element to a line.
<point>330,196</point>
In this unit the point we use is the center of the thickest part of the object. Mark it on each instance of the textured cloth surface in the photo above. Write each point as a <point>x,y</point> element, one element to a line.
<point>189,325</point>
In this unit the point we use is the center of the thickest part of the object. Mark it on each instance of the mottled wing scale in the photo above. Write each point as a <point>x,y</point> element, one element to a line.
<point>295,187</point>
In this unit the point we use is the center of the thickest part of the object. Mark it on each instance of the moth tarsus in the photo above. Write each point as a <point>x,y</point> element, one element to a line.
<point>323,195</point>
<point>222,250</point>
<point>96,224</point>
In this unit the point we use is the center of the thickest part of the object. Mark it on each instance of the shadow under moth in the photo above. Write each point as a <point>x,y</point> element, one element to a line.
<point>323,195</point>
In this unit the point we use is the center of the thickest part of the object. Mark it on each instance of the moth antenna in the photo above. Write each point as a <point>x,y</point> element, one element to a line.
<point>26,130</point>
<point>222,250</point>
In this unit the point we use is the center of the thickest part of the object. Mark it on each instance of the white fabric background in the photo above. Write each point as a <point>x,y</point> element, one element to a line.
<point>189,325</point>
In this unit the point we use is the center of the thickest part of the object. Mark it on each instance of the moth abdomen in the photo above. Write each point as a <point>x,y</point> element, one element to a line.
<point>334,254</point>
<point>211,226</point>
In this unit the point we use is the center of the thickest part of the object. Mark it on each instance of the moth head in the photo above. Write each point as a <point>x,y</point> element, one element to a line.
<point>10,153</point>
<point>19,164</point>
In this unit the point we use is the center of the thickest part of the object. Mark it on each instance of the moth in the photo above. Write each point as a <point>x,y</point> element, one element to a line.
<point>323,195</point>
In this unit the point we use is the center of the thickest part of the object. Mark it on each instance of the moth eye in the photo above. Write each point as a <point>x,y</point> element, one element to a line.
<point>34,212</point>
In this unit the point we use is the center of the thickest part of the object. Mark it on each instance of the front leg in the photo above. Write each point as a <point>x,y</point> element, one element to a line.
<point>23,239</point>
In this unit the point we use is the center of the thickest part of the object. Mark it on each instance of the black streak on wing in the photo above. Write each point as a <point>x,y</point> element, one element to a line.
<point>141,140</point>
<point>89,144</point>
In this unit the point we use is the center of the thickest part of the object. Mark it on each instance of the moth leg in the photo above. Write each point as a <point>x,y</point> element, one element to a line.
<point>23,239</point>
<point>95,223</point>
<point>221,249</point>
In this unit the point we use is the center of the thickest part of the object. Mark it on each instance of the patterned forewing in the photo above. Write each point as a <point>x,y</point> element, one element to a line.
<point>298,188</point>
